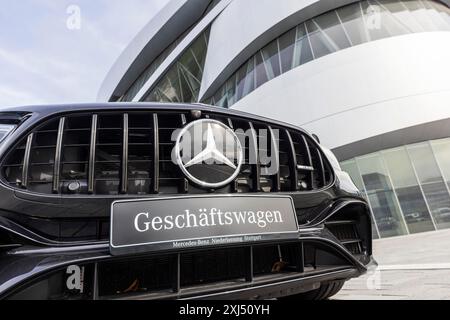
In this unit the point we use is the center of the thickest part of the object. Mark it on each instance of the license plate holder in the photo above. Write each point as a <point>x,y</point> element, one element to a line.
<point>164,224</point>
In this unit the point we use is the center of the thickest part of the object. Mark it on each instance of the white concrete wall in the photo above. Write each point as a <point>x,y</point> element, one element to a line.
<point>363,91</point>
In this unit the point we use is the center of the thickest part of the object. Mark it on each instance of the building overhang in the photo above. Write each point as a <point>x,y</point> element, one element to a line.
<point>426,131</point>
<point>164,28</point>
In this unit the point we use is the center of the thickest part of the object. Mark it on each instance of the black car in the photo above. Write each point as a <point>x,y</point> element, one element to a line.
<point>99,201</point>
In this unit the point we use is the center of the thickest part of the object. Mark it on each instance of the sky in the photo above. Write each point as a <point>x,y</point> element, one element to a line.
<point>59,51</point>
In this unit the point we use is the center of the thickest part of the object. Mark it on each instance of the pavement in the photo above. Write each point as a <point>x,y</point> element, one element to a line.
<point>413,267</point>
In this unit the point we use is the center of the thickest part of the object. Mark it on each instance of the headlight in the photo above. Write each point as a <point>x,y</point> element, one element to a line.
<point>5,130</point>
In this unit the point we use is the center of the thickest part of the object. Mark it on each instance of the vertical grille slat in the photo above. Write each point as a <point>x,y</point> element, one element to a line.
<point>26,160</point>
<point>321,168</point>
<point>310,162</point>
<point>155,183</point>
<point>230,123</point>
<point>129,152</point>
<point>125,146</point>
<point>292,162</point>
<point>235,183</point>
<point>184,187</point>
<point>275,152</point>
<point>58,153</point>
<point>92,150</point>
<point>257,166</point>
<point>183,119</point>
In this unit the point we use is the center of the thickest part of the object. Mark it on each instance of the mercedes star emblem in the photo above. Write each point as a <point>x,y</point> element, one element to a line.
<point>220,158</point>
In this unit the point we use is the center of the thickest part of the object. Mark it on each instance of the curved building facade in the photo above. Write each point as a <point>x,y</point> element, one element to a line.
<point>370,78</point>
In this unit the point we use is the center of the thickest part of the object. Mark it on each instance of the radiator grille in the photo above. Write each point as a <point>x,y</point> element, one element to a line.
<point>114,153</point>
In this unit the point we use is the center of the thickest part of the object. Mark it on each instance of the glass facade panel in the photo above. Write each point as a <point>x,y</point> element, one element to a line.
<point>440,23</point>
<point>401,13</point>
<point>442,10</point>
<point>408,191</point>
<point>182,81</point>
<point>408,187</point>
<point>148,72</point>
<point>351,168</point>
<point>381,196</point>
<point>424,162</point>
<point>439,202</point>
<point>287,46</point>
<point>441,149</point>
<point>400,168</point>
<point>421,14</point>
<point>231,92</point>
<point>271,57</point>
<point>386,213</point>
<point>302,53</point>
<point>373,173</point>
<point>414,209</point>
<point>353,23</point>
<point>260,70</point>
<point>380,22</point>
<point>246,79</point>
<point>321,44</point>
<point>335,30</point>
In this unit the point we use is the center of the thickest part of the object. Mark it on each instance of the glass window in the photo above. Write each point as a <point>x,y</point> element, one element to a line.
<point>414,209</point>
<point>400,167</point>
<point>386,213</point>
<point>441,150</point>
<point>423,160</point>
<point>439,21</point>
<point>338,29</point>
<point>271,60</point>
<point>408,192</point>
<point>419,12</point>
<point>373,173</point>
<point>401,13</point>
<point>330,25</point>
<point>321,44</point>
<point>302,52</point>
<point>439,201</point>
<point>149,71</point>
<point>169,88</point>
<point>405,187</point>
<point>352,20</point>
<point>443,10</point>
<point>246,79</point>
<point>351,168</point>
<point>435,190</point>
<point>182,81</point>
<point>382,199</point>
<point>231,90</point>
<point>190,70</point>
<point>287,46</point>
<point>260,70</point>
<point>220,98</point>
<point>379,22</point>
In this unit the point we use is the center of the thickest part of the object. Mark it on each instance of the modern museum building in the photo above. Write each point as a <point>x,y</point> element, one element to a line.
<point>370,78</point>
